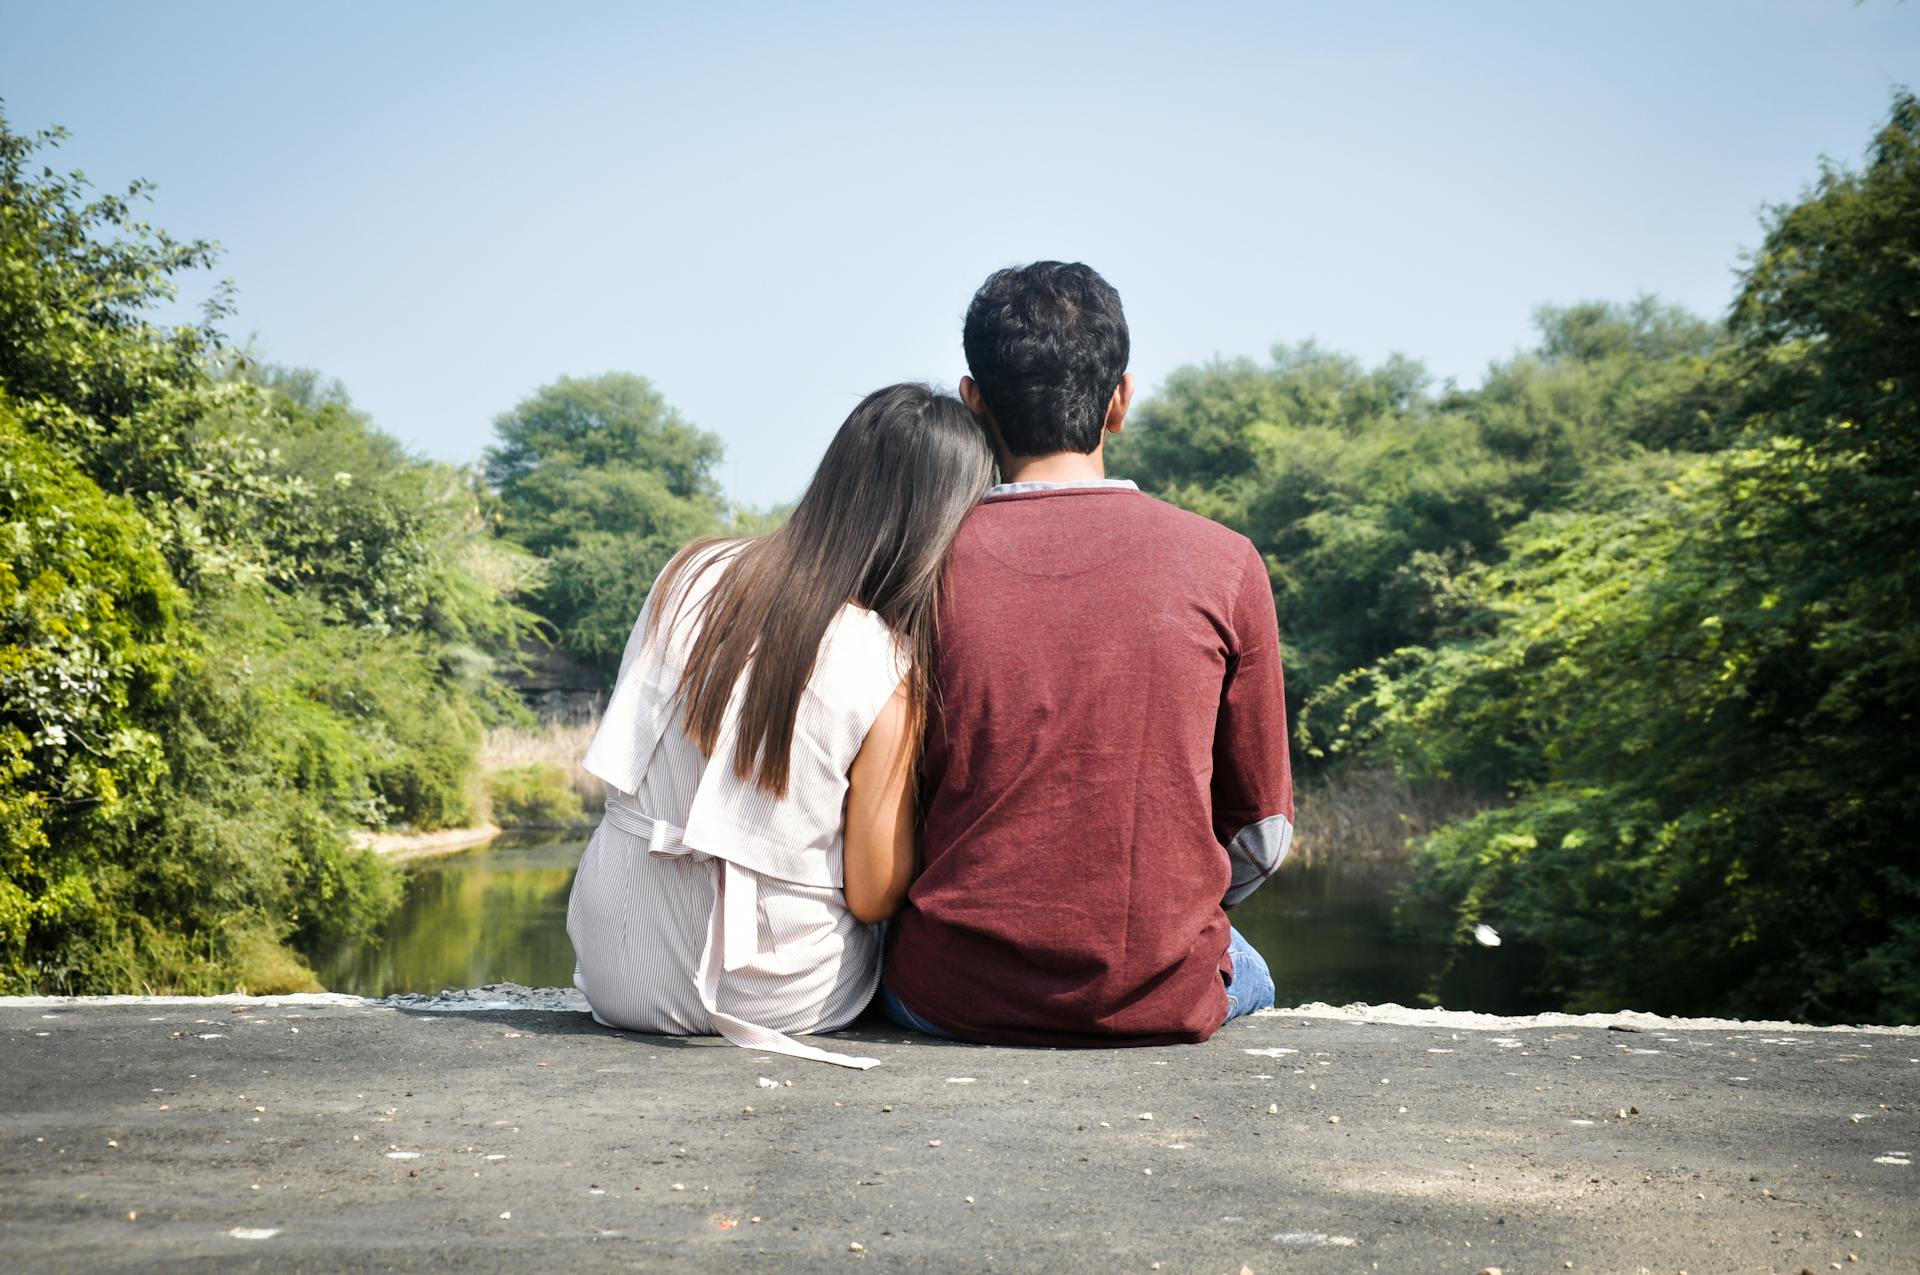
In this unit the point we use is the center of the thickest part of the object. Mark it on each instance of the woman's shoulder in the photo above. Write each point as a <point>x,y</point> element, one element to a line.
<point>701,564</point>
<point>860,648</point>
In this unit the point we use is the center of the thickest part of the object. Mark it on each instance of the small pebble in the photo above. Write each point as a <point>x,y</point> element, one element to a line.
<point>1333,1119</point>
<point>933,1142</point>
<point>1145,1115</point>
<point>969,1199</point>
<point>678,1186</point>
<point>504,1217</point>
<point>856,1247</point>
<point>1273,1108</point>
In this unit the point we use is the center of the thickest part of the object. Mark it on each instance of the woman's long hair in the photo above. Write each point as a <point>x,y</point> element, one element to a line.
<point>873,529</point>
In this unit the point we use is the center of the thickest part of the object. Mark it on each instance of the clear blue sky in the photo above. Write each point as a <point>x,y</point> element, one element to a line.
<point>770,210</point>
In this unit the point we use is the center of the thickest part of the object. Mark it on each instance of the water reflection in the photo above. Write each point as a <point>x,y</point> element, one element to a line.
<point>499,914</point>
<point>491,915</point>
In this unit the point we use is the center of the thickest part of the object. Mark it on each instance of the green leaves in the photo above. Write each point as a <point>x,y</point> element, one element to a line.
<point>215,656</point>
<point>1701,678</point>
<point>606,482</point>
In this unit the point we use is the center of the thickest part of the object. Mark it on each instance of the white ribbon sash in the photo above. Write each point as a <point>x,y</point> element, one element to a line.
<point>732,936</point>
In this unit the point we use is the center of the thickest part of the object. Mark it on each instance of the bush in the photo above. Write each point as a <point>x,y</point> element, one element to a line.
<point>272,631</point>
<point>538,795</point>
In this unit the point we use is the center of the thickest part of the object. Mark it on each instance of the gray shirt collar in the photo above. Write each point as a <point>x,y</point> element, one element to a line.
<point>1084,484</point>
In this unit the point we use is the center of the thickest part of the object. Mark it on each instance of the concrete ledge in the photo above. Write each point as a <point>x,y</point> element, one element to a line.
<point>501,1128</point>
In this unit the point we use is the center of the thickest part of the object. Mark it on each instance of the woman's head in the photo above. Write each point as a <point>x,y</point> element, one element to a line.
<point>873,528</point>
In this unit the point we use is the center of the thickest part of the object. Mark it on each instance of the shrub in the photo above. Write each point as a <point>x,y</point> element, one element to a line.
<point>538,795</point>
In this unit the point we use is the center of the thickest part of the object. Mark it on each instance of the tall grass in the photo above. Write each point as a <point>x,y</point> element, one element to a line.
<point>555,744</point>
<point>1373,814</point>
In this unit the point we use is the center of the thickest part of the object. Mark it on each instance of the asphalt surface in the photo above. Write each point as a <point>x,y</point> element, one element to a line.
<point>323,1134</point>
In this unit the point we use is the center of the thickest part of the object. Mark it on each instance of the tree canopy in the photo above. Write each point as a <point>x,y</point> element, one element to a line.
<point>236,622</point>
<point>605,481</point>
<point>1698,676</point>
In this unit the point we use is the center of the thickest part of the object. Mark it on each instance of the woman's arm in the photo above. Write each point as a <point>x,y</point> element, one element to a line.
<point>880,850</point>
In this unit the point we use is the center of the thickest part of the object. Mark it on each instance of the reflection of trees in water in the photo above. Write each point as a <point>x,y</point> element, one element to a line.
<point>1331,931</point>
<point>1328,929</point>
<point>496,914</point>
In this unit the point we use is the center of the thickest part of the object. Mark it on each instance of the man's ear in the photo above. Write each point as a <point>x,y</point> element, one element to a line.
<point>1116,406</point>
<point>977,404</point>
<point>970,395</point>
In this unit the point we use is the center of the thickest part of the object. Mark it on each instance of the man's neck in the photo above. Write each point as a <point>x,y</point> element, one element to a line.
<point>1060,467</point>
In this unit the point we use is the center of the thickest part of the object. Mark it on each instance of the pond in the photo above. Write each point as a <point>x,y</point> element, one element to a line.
<point>499,914</point>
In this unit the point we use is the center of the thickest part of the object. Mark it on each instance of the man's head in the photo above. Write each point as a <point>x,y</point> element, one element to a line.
<point>1047,348</point>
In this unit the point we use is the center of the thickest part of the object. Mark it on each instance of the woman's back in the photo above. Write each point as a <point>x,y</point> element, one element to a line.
<point>703,898</point>
<point>761,744</point>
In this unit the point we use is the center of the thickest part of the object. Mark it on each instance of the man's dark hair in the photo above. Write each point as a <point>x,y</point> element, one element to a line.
<point>1047,345</point>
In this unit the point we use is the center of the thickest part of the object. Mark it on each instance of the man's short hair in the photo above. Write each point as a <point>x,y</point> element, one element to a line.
<point>1047,345</point>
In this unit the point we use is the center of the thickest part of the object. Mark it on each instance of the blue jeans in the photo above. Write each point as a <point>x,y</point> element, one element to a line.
<point>900,1016</point>
<point>1252,985</point>
<point>1250,988</point>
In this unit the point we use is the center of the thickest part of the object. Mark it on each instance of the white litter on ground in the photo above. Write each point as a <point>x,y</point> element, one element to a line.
<point>1313,1239</point>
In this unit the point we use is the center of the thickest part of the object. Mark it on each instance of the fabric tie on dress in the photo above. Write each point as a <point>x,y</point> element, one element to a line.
<point>732,936</point>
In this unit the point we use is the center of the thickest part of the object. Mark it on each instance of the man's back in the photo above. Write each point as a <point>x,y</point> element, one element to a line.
<point>1110,721</point>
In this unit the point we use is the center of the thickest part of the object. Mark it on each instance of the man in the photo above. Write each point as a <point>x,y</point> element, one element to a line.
<point>1107,768</point>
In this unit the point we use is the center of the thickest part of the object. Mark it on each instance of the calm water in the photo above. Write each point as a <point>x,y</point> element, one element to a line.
<point>499,914</point>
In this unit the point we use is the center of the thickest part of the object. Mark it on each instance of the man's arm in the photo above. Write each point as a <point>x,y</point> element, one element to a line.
<point>1252,777</point>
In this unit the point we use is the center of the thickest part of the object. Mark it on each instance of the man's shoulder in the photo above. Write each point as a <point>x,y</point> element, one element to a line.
<point>1204,531</point>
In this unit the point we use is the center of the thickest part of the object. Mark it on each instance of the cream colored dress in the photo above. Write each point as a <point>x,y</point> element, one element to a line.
<point>704,905</point>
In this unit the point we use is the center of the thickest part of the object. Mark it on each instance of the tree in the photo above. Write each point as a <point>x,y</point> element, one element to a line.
<point>1701,679</point>
<point>235,622</point>
<point>1371,496</point>
<point>606,482</point>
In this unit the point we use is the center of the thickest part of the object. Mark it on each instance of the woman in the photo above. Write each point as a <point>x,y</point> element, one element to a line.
<point>761,745</point>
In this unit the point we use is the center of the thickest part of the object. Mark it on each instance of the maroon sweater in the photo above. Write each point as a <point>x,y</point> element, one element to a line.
<point>1111,719</point>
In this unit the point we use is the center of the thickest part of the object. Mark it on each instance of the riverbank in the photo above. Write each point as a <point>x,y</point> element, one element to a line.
<point>501,1127</point>
<point>416,845</point>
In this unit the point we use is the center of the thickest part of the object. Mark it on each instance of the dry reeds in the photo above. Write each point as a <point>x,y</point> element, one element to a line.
<point>556,744</point>
<point>1373,814</point>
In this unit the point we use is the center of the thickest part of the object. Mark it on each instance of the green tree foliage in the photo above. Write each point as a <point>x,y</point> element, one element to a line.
<point>235,622</point>
<point>605,481</point>
<point>1699,678</point>
<point>1370,494</point>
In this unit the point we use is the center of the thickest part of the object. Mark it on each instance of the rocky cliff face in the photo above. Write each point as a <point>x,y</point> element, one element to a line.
<point>559,687</point>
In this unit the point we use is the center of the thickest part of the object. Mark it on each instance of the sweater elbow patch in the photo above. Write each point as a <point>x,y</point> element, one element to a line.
<point>1255,853</point>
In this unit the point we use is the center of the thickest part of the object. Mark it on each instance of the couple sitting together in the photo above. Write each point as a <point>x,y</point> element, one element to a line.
<point>1036,729</point>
